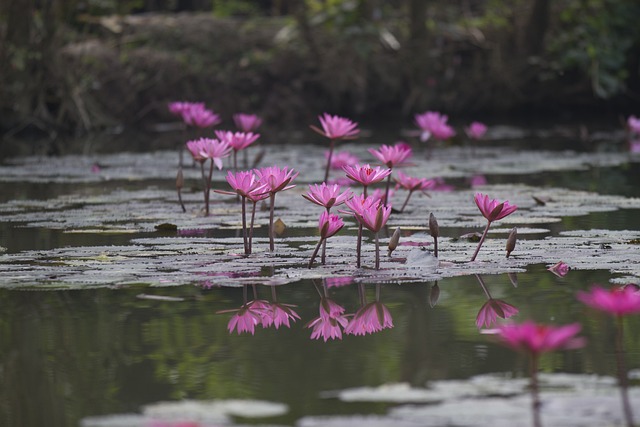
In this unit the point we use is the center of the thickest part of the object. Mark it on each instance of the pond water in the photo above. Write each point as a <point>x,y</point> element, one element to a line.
<point>107,321</point>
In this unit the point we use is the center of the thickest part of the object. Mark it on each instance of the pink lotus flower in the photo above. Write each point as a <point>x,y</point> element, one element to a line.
<point>196,148</point>
<point>327,327</point>
<point>560,269</point>
<point>476,130</point>
<point>369,319</point>
<point>327,195</point>
<point>335,127</point>
<point>539,338</point>
<point>634,147</point>
<point>633,123</point>
<point>366,175</point>
<point>491,310</point>
<point>278,314</point>
<point>247,122</point>
<point>615,301</point>
<point>215,150</point>
<point>197,115</point>
<point>410,183</point>
<point>244,183</point>
<point>340,159</point>
<point>374,217</point>
<point>434,124</point>
<point>275,178</point>
<point>237,140</point>
<point>492,209</point>
<point>178,108</point>
<point>329,224</point>
<point>392,155</point>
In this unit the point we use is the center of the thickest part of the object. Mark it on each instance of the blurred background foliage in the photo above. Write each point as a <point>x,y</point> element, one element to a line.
<point>79,66</point>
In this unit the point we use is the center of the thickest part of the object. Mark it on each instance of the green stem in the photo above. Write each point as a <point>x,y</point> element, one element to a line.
<point>484,235</point>
<point>359,245</point>
<point>272,200</point>
<point>244,226</point>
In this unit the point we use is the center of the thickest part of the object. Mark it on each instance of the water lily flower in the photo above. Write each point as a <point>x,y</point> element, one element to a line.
<point>633,123</point>
<point>341,159</point>
<point>476,130</point>
<point>374,216</point>
<point>371,318</point>
<point>412,184</point>
<point>617,301</point>
<point>391,156</point>
<point>278,314</point>
<point>329,224</point>
<point>237,141</point>
<point>199,116</point>
<point>276,180</point>
<point>491,310</point>
<point>247,122</point>
<point>331,321</point>
<point>327,195</point>
<point>478,180</point>
<point>492,210</point>
<point>358,205</point>
<point>335,128</point>
<point>207,148</point>
<point>365,174</point>
<point>247,318</point>
<point>434,124</point>
<point>560,269</point>
<point>178,108</point>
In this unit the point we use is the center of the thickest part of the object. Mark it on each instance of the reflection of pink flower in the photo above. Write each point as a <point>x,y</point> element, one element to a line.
<point>247,122</point>
<point>277,314</point>
<point>392,155</point>
<point>330,322</point>
<point>335,127</point>
<point>615,301</point>
<point>336,282</point>
<point>491,310</point>
<point>247,317</point>
<point>327,195</point>
<point>434,124</point>
<point>340,159</point>
<point>476,130</point>
<point>371,318</point>
<point>491,209</point>
<point>366,175</point>
<point>538,338</point>
<point>560,269</point>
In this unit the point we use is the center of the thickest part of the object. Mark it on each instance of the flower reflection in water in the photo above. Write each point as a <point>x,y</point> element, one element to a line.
<point>331,321</point>
<point>255,312</point>
<point>370,318</point>
<point>492,309</point>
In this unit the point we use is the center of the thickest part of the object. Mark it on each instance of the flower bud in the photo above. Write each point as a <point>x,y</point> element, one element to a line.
<point>511,241</point>
<point>434,229</point>
<point>394,240</point>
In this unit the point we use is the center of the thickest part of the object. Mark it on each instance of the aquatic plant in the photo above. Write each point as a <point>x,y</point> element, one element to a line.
<point>412,184</point>
<point>370,317</point>
<point>492,210</point>
<point>511,241</point>
<point>560,269</point>
<point>340,159</point>
<point>329,224</point>
<point>476,130</point>
<point>238,141</point>
<point>366,175</point>
<point>391,156</point>
<point>434,231</point>
<point>247,122</point>
<point>335,128</point>
<point>207,148</point>
<point>433,124</point>
<point>493,308</point>
<point>373,215</point>
<point>197,115</point>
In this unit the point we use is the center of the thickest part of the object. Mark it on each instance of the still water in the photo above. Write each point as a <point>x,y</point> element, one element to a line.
<point>68,355</point>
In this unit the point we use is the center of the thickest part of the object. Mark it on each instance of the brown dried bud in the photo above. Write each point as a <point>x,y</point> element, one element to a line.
<point>511,241</point>
<point>394,240</point>
<point>434,230</point>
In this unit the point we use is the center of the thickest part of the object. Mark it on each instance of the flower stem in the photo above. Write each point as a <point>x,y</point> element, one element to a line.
<point>244,226</point>
<point>386,191</point>
<point>535,395</point>
<point>435,246</point>
<point>272,200</point>
<point>484,235</point>
<point>207,194</point>
<point>315,252</point>
<point>377,251</point>
<point>326,172</point>
<point>622,374</point>
<point>483,286</point>
<point>406,201</point>
<point>253,217</point>
<point>323,254</point>
<point>359,245</point>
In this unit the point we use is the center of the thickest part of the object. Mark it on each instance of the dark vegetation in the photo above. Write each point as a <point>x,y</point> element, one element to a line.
<point>84,66</point>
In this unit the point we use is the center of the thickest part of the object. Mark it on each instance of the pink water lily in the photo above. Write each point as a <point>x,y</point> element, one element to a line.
<point>178,108</point>
<point>412,184</point>
<point>215,150</point>
<point>341,159</point>
<point>328,224</point>
<point>365,174</point>
<point>491,310</point>
<point>247,122</point>
<point>207,148</point>
<point>278,314</point>
<point>335,128</point>
<point>492,210</point>
<point>327,195</point>
<point>246,318</point>
<point>369,319</point>
<point>633,123</point>
<point>275,180</point>
<point>560,269</point>
<point>373,215</point>
<point>617,301</point>
<point>476,130</point>
<point>392,155</point>
<point>199,116</point>
<point>434,124</point>
<point>237,140</point>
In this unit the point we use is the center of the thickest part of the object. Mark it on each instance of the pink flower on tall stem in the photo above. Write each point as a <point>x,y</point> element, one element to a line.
<point>391,156</point>
<point>633,123</point>
<point>276,180</point>
<point>366,175</point>
<point>412,184</point>
<point>434,124</point>
<point>340,159</point>
<point>329,224</point>
<point>247,122</point>
<point>199,116</point>
<point>492,210</point>
<point>238,141</point>
<point>326,195</point>
<point>536,339</point>
<point>491,310</point>
<point>335,128</point>
<point>357,205</point>
<point>618,302</point>
<point>560,269</point>
<point>476,130</point>
<point>207,148</point>
<point>373,216</point>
